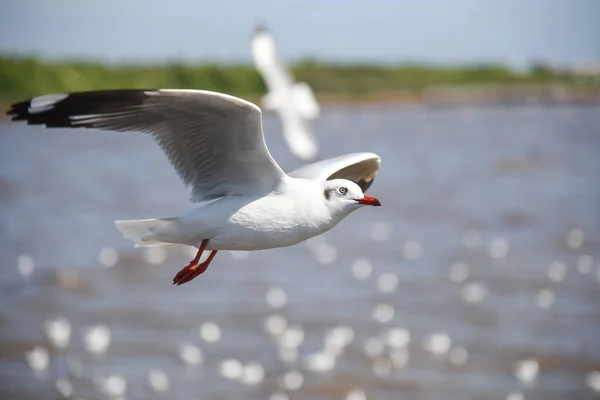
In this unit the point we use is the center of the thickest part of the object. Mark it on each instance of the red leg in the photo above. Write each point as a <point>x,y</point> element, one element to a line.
<point>194,269</point>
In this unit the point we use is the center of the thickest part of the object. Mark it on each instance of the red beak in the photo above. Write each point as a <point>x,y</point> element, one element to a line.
<point>370,201</point>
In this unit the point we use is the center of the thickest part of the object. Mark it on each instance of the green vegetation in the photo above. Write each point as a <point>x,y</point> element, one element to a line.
<point>26,77</point>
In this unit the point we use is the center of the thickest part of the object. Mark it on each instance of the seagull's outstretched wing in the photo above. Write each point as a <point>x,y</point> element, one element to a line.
<point>295,103</point>
<point>214,141</point>
<point>359,168</point>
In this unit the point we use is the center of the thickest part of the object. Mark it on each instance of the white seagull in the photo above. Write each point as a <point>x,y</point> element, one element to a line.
<point>294,102</point>
<point>216,144</point>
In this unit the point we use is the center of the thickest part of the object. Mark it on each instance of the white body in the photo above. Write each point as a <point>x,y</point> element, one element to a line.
<point>251,223</point>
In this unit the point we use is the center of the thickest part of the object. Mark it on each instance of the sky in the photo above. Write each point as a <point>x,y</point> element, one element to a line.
<point>511,32</point>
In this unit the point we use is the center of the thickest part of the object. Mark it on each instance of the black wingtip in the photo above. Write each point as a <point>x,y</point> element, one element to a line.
<point>58,110</point>
<point>19,111</point>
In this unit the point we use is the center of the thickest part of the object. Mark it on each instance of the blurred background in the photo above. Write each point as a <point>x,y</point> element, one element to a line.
<point>478,278</point>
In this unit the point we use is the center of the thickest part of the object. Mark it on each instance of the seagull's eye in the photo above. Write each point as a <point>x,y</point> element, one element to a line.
<point>343,190</point>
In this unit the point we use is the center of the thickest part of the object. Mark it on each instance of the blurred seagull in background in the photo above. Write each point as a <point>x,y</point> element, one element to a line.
<point>216,144</point>
<point>294,102</point>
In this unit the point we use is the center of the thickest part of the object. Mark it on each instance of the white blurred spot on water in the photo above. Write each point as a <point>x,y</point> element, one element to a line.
<point>437,343</point>
<point>515,396</point>
<point>338,338</point>
<point>361,269</point>
<point>108,257</point>
<point>190,354</point>
<point>411,250</point>
<point>276,297</point>
<point>321,361</point>
<point>210,332</point>
<point>96,339</point>
<point>592,380</point>
<point>275,325</point>
<point>356,394</point>
<point>545,298</point>
<point>387,282</point>
<point>64,387</point>
<point>498,248</point>
<point>526,370</point>
<point>381,366</point>
<point>113,385</point>
<point>288,355</point>
<point>279,396</point>
<point>383,313</point>
<point>397,338</point>
<point>381,231</point>
<point>458,272</point>
<point>158,380</point>
<point>292,337</point>
<point>374,347</point>
<point>156,255</point>
<point>473,292</point>
<point>575,238</point>
<point>399,358</point>
<point>252,374</point>
<point>58,331</point>
<point>291,380</point>
<point>458,355</point>
<point>556,271</point>
<point>240,254</point>
<point>472,239</point>
<point>585,264</point>
<point>325,254</point>
<point>231,368</point>
<point>37,358</point>
<point>25,265</point>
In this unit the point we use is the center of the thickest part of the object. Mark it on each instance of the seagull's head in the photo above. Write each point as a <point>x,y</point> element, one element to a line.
<point>346,196</point>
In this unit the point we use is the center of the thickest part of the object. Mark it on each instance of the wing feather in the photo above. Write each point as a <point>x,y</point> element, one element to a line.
<point>360,168</point>
<point>214,141</point>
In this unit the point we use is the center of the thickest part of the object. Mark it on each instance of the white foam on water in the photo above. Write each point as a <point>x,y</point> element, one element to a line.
<point>108,257</point>
<point>210,332</point>
<point>458,272</point>
<point>411,250</point>
<point>37,358</point>
<point>252,374</point>
<point>276,297</point>
<point>526,370</point>
<point>291,380</point>
<point>437,343</point>
<point>383,313</point>
<point>190,354</point>
<point>361,269</point>
<point>231,368</point>
<point>58,331</point>
<point>158,380</point>
<point>473,292</point>
<point>575,238</point>
<point>25,265</point>
<point>458,356</point>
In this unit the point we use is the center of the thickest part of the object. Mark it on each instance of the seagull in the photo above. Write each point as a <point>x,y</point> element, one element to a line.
<point>294,102</point>
<point>216,144</point>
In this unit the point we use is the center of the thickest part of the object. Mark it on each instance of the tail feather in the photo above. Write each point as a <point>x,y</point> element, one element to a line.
<point>139,230</point>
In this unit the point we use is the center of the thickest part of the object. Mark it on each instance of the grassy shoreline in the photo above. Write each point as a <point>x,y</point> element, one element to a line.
<point>24,77</point>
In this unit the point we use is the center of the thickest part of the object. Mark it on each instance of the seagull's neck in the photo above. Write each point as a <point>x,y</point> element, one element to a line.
<point>309,199</point>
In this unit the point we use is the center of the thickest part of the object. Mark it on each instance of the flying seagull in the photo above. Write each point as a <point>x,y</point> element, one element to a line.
<point>216,144</point>
<point>294,102</point>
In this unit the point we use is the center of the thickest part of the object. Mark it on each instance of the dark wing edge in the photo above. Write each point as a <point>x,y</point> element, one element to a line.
<point>356,173</point>
<point>78,109</point>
